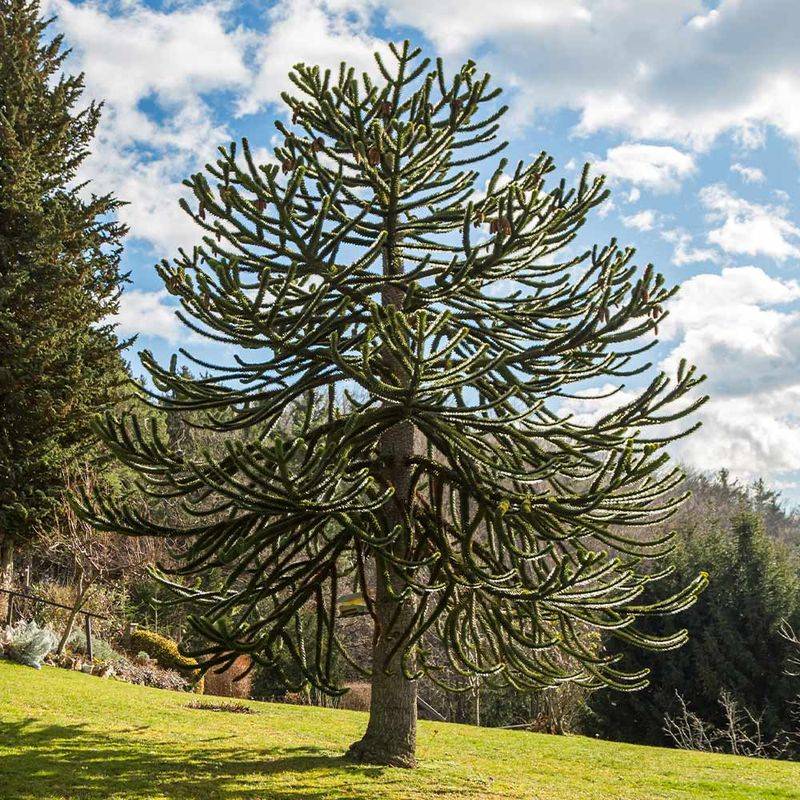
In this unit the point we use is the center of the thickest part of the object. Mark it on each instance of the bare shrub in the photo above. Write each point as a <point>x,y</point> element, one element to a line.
<point>94,558</point>
<point>793,661</point>
<point>357,697</point>
<point>559,710</point>
<point>225,683</point>
<point>741,733</point>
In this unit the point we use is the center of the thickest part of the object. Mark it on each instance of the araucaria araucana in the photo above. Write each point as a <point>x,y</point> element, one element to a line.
<point>446,486</point>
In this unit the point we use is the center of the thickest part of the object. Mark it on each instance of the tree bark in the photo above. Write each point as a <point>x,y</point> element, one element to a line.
<point>391,734</point>
<point>6,572</point>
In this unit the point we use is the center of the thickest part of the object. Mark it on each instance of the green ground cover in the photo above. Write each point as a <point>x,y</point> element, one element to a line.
<point>70,736</point>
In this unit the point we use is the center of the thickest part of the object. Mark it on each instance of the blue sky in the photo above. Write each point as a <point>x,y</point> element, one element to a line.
<point>691,108</point>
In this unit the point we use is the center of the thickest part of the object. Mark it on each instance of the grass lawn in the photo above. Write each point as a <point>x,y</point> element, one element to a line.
<point>68,735</point>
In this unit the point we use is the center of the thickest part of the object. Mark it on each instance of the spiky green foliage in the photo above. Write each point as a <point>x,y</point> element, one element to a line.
<point>365,264</point>
<point>59,274</point>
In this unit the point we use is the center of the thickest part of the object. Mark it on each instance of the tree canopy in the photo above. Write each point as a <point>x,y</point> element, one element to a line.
<point>446,325</point>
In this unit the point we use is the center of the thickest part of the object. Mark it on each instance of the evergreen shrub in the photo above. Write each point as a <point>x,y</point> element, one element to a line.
<point>166,654</point>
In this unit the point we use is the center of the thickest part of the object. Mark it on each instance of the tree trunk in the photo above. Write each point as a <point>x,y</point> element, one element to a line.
<point>6,573</point>
<point>83,588</point>
<point>391,734</point>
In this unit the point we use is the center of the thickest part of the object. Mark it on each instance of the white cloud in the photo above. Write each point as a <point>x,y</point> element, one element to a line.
<point>754,437</point>
<point>148,314</point>
<point>742,329</point>
<point>642,221</point>
<point>319,32</point>
<point>172,56</point>
<point>659,168</point>
<point>606,209</point>
<point>458,25</point>
<point>740,297</point>
<point>151,188</point>
<point>684,73</point>
<point>685,252</point>
<point>666,69</point>
<point>588,405</point>
<point>153,69</point>
<point>749,228</point>
<point>749,174</point>
<point>156,70</point>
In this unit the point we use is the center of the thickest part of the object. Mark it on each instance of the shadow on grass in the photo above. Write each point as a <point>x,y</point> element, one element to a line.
<point>71,761</point>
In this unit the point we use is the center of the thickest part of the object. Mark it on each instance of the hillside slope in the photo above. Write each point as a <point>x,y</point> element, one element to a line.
<point>68,735</point>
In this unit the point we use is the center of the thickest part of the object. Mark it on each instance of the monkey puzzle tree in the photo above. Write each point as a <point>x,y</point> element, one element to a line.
<point>450,491</point>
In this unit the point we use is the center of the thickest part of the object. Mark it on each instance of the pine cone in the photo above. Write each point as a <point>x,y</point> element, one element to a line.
<point>500,225</point>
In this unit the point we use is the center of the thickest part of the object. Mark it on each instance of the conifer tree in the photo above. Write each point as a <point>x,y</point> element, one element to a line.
<point>59,278</point>
<point>448,489</point>
<point>737,643</point>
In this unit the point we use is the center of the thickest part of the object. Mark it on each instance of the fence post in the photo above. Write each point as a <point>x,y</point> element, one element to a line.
<point>89,648</point>
<point>10,610</point>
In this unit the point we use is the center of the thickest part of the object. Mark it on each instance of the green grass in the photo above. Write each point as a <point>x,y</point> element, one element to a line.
<point>68,735</point>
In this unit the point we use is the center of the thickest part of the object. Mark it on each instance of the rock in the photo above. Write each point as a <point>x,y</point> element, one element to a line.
<point>103,670</point>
